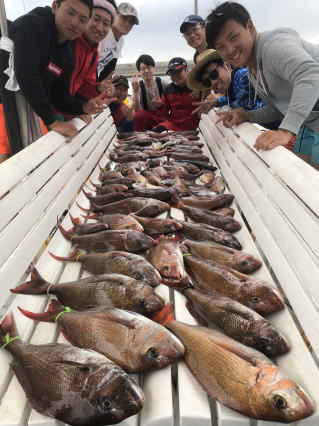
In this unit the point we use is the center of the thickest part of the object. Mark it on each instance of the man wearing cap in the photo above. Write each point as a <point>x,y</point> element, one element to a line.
<point>111,47</point>
<point>178,100</point>
<point>122,114</point>
<point>193,30</point>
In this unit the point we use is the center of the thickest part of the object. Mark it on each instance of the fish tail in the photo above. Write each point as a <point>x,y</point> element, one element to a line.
<point>72,258</point>
<point>54,309</point>
<point>66,234</point>
<point>87,194</point>
<point>37,285</point>
<point>82,208</point>
<point>92,216</point>
<point>8,329</point>
<point>75,220</point>
<point>94,184</point>
<point>165,315</point>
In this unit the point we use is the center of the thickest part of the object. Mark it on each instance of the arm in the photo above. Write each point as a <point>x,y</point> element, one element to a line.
<point>107,69</point>
<point>136,93</point>
<point>243,93</point>
<point>265,114</point>
<point>89,87</point>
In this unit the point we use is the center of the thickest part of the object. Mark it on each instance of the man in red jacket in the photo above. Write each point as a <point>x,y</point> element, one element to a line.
<point>178,100</point>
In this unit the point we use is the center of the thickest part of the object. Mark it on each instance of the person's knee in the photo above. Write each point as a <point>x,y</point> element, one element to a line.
<point>160,128</point>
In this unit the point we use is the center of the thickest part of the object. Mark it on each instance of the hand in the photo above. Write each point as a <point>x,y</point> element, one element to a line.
<point>204,107</point>
<point>135,83</point>
<point>105,84</point>
<point>233,117</point>
<point>195,95</point>
<point>127,113</point>
<point>86,118</point>
<point>64,128</point>
<point>157,102</point>
<point>269,139</point>
<point>98,104</point>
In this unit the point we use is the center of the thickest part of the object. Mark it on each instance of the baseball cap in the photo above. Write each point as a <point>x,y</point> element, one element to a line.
<point>127,9</point>
<point>190,19</point>
<point>104,4</point>
<point>176,64</point>
<point>120,79</point>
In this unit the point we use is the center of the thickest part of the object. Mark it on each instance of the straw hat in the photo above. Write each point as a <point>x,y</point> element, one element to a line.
<point>204,58</point>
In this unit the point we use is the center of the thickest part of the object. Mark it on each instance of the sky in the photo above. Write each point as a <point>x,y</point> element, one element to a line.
<point>158,33</point>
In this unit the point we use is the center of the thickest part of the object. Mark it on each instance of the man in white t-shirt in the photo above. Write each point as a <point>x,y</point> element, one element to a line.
<point>110,48</point>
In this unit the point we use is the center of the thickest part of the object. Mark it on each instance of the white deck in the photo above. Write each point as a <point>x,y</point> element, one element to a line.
<point>275,191</point>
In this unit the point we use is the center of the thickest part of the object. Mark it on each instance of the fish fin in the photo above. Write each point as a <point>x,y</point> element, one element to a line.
<point>201,320</point>
<point>92,216</point>
<point>87,194</point>
<point>66,234</point>
<point>164,316</point>
<point>8,326</point>
<point>37,285</point>
<point>94,184</point>
<point>66,336</point>
<point>75,220</point>
<point>54,308</point>
<point>82,208</point>
<point>72,258</point>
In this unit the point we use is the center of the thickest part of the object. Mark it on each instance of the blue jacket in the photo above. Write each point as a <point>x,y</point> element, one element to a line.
<point>240,94</point>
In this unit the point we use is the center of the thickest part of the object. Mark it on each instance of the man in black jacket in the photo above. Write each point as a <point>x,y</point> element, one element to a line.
<point>43,64</point>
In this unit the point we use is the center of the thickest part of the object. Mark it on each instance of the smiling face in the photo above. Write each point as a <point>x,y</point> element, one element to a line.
<point>123,24</point>
<point>99,25</point>
<point>146,72</point>
<point>195,36</point>
<point>120,91</point>
<point>71,19</point>
<point>178,77</point>
<point>235,43</point>
<point>221,83</point>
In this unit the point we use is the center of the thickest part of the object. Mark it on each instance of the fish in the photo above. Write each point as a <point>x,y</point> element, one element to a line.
<point>141,156</point>
<point>118,221</point>
<point>155,226</point>
<point>203,165</point>
<point>132,341</point>
<point>130,172</point>
<point>218,185</point>
<point>202,231</point>
<point>207,177</point>
<point>109,174</point>
<point>209,276</point>
<point>148,207</point>
<point>118,262</point>
<point>240,377</point>
<point>225,211</point>
<point>76,386</point>
<point>235,259</point>
<point>211,203</point>
<point>108,198</point>
<point>159,171</point>
<point>193,158</point>
<point>114,290</point>
<point>123,239</point>
<point>152,178</point>
<point>82,229</point>
<point>162,194</point>
<point>226,223</point>
<point>200,191</point>
<point>114,187</point>
<point>166,256</point>
<point>236,321</point>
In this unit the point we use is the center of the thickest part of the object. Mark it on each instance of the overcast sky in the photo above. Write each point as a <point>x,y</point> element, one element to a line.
<point>158,33</point>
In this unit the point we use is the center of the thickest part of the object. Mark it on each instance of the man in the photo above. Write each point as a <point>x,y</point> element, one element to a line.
<point>284,70</point>
<point>193,30</point>
<point>147,102</point>
<point>122,114</point>
<point>111,47</point>
<point>178,100</point>
<point>43,63</point>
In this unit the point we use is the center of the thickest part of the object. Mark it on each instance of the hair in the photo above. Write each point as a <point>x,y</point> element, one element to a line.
<point>88,3</point>
<point>146,59</point>
<point>113,4</point>
<point>219,16</point>
<point>202,71</point>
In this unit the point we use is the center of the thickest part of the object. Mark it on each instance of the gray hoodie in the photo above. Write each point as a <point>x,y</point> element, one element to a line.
<point>288,67</point>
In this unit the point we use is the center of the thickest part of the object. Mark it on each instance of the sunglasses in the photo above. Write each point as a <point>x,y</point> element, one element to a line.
<point>212,75</point>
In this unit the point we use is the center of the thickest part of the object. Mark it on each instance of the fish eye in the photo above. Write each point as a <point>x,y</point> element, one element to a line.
<point>166,268</point>
<point>105,405</point>
<point>255,299</point>
<point>263,341</point>
<point>279,402</point>
<point>139,276</point>
<point>142,303</point>
<point>152,353</point>
<point>243,262</point>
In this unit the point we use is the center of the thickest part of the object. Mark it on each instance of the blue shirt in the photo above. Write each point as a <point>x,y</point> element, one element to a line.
<point>240,93</point>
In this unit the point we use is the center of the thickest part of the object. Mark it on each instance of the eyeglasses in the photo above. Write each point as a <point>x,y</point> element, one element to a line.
<point>192,30</point>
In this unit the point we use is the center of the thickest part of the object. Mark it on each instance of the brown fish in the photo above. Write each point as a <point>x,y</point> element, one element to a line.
<point>237,321</point>
<point>189,156</point>
<point>155,226</point>
<point>235,259</point>
<point>109,174</point>
<point>82,229</point>
<point>123,239</point>
<point>148,207</point>
<point>115,290</point>
<point>160,171</point>
<point>118,221</point>
<point>141,156</point>
<point>240,377</point>
<point>258,295</point>
<point>152,178</point>
<point>200,191</point>
<point>163,194</point>
<point>133,342</point>
<point>225,211</point>
<point>108,198</point>
<point>202,231</point>
<point>211,203</point>
<point>218,185</point>
<point>167,258</point>
<point>117,262</point>
<point>77,386</point>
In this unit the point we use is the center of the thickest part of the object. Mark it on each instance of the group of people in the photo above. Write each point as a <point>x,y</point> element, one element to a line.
<point>63,58</point>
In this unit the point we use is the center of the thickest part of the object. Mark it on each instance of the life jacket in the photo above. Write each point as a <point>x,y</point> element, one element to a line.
<point>143,91</point>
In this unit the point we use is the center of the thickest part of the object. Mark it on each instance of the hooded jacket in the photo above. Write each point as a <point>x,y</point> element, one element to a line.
<point>43,67</point>
<point>287,80</point>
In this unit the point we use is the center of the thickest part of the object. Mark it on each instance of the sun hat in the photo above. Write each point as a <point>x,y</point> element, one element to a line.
<point>127,9</point>
<point>202,60</point>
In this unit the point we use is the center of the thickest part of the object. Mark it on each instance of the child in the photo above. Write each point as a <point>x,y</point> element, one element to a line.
<point>284,70</point>
<point>178,100</point>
